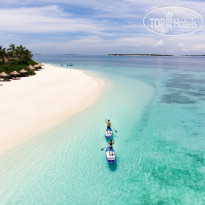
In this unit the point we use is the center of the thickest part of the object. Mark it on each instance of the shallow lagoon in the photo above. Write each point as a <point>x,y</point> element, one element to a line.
<point>157,106</point>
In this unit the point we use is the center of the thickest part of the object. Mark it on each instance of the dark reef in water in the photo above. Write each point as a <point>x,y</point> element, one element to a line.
<point>176,98</point>
<point>201,89</point>
<point>197,158</point>
<point>184,89</point>
<point>178,84</point>
<point>197,94</point>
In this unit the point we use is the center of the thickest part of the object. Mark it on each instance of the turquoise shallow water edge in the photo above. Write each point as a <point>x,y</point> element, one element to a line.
<point>157,106</point>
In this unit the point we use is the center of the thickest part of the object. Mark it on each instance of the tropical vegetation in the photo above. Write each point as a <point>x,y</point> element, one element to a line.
<point>16,58</point>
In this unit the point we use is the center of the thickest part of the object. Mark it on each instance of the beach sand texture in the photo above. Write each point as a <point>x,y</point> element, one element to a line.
<point>34,104</point>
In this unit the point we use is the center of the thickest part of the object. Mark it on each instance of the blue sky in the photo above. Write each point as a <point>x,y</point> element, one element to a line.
<point>93,27</point>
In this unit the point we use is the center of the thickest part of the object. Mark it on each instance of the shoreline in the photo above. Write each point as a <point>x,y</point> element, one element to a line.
<point>32,105</point>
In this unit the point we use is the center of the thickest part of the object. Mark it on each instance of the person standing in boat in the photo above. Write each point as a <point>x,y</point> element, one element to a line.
<point>110,145</point>
<point>108,124</point>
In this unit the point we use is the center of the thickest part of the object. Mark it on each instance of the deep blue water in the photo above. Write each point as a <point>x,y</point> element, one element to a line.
<point>157,105</point>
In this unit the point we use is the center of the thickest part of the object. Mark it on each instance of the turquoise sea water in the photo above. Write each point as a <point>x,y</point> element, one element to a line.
<point>157,105</point>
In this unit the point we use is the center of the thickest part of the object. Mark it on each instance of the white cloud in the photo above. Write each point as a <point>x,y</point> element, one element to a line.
<point>159,43</point>
<point>44,20</point>
<point>95,45</point>
<point>181,45</point>
<point>110,26</point>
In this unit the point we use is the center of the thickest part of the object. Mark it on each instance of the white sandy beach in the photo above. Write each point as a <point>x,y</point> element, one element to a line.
<point>34,104</point>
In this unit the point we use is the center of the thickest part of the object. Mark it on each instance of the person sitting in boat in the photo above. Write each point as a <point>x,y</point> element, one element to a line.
<point>110,145</point>
<point>108,124</point>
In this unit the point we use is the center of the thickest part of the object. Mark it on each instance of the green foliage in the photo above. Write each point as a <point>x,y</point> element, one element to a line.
<point>19,58</point>
<point>32,62</point>
<point>3,54</point>
<point>12,62</point>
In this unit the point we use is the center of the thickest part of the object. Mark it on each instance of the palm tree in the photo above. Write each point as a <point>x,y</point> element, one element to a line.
<point>27,54</point>
<point>3,54</point>
<point>12,50</point>
<point>23,53</point>
<point>20,50</point>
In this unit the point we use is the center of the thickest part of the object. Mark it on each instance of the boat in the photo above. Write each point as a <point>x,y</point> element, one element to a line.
<point>110,155</point>
<point>108,133</point>
<point>69,64</point>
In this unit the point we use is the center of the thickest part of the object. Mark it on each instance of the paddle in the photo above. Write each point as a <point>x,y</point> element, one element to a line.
<point>114,129</point>
<point>104,147</point>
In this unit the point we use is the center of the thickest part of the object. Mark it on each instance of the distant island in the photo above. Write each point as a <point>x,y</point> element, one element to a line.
<point>138,55</point>
<point>196,55</point>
